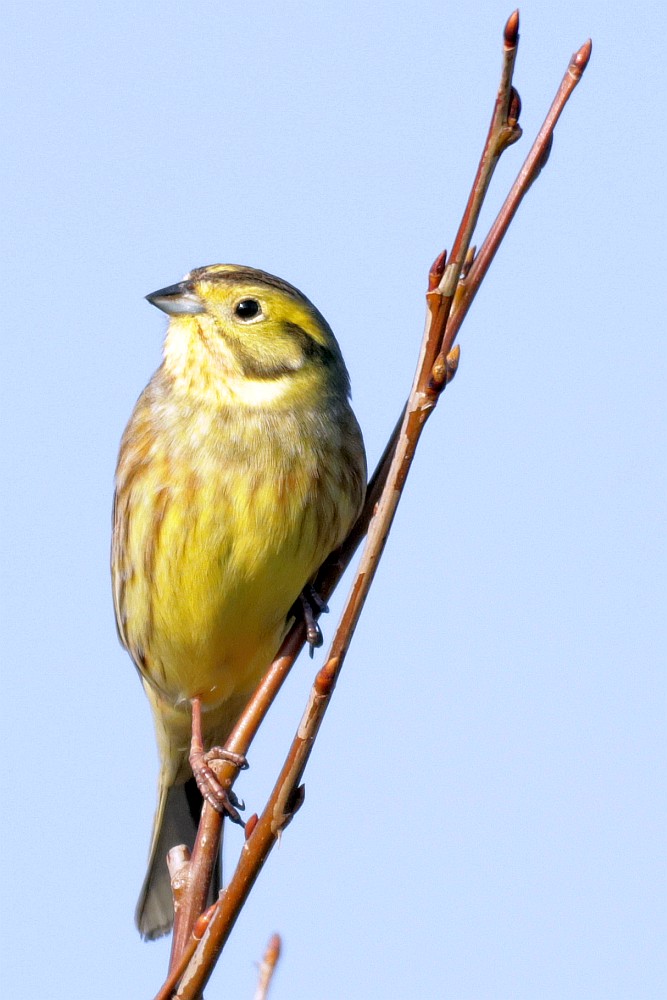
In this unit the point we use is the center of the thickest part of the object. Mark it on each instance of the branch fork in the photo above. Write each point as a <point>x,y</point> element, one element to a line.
<point>452,285</point>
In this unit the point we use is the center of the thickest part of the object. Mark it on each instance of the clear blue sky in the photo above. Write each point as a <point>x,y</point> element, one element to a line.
<point>485,810</point>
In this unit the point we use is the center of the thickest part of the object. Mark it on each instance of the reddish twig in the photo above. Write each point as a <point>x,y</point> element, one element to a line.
<point>452,287</point>
<point>530,171</point>
<point>503,131</point>
<point>268,967</point>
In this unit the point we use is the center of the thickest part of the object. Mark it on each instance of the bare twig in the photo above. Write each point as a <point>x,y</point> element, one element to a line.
<point>503,131</point>
<point>452,288</point>
<point>530,171</point>
<point>177,969</point>
<point>268,967</point>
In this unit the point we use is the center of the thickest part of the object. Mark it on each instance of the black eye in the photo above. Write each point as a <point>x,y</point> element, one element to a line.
<point>247,309</point>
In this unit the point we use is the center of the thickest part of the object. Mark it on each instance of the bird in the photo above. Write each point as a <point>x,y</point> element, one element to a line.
<point>241,469</point>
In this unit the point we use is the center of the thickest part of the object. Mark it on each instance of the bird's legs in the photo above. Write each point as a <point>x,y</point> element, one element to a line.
<point>312,605</point>
<point>223,801</point>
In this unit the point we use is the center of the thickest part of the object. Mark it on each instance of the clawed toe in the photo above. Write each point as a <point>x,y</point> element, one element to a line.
<point>219,753</point>
<point>223,801</point>
<point>311,605</point>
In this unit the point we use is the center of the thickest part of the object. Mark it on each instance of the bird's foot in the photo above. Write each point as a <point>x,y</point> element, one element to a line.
<point>312,606</point>
<point>222,800</point>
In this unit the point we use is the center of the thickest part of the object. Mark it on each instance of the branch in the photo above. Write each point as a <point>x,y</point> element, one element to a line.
<point>530,171</point>
<point>452,288</point>
<point>268,967</point>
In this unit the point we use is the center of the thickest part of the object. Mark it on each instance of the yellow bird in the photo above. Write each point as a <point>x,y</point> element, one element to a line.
<point>241,469</point>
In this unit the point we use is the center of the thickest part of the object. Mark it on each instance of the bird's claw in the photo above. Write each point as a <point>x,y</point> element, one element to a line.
<point>221,799</point>
<point>311,605</point>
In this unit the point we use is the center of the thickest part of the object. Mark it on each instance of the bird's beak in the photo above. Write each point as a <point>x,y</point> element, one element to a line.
<point>177,300</point>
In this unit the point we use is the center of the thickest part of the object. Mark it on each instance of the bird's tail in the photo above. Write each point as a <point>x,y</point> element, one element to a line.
<point>176,819</point>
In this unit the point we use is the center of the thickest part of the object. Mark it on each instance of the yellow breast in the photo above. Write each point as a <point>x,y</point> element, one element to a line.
<point>221,518</point>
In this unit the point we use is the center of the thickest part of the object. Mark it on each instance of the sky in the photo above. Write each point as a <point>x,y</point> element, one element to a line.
<point>485,806</point>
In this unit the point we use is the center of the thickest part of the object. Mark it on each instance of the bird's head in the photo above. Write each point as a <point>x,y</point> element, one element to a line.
<point>238,329</point>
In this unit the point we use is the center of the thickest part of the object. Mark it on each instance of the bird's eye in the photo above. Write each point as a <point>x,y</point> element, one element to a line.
<point>247,309</point>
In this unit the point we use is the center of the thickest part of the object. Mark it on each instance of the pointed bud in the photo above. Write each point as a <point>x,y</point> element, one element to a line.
<point>511,32</point>
<point>514,108</point>
<point>453,362</point>
<point>579,60</point>
<point>468,262</point>
<point>250,825</point>
<point>324,681</point>
<point>202,922</point>
<point>437,270</point>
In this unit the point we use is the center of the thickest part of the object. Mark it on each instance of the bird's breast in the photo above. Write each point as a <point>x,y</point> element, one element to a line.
<point>218,528</point>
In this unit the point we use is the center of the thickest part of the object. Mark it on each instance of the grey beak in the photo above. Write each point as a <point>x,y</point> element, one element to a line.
<point>177,300</point>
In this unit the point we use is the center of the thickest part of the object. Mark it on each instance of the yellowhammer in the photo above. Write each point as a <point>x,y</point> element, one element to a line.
<point>241,469</point>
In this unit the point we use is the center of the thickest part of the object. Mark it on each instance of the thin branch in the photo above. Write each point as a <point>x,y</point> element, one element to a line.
<point>530,171</point>
<point>177,969</point>
<point>451,291</point>
<point>503,131</point>
<point>268,967</point>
